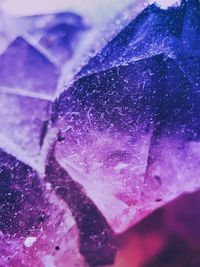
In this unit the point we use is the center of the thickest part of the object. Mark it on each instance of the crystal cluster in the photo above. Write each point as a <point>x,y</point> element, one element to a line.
<point>124,132</point>
<point>130,123</point>
<point>30,70</point>
<point>37,229</point>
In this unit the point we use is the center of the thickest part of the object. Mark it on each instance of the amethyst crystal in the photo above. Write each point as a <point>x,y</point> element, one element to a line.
<point>116,125</point>
<point>96,237</point>
<point>128,127</point>
<point>61,36</point>
<point>127,133</point>
<point>31,114</point>
<point>31,70</point>
<point>21,196</point>
<point>57,33</point>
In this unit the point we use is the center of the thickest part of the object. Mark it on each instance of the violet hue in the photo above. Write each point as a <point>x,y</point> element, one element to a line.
<point>21,196</point>
<point>61,36</point>
<point>127,133</point>
<point>32,70</point>
<point>96,237</point>
<point>31,114</point>
<point>129,126</point>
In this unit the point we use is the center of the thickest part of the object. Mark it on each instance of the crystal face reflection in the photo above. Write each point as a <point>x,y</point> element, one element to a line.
<point>128,132</point>
<point>112,163</point>
<point>106,126</point>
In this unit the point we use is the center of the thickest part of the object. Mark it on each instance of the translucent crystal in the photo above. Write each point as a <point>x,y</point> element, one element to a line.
<point>24,67</point>
<point>128,129</point>
<point>24,120</point>
<point>96,243</point>
<point>57,33</point>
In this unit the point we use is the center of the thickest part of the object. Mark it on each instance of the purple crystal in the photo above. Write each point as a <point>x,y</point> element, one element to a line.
<point>28,114</point>
<point>100,140</point>
<point>56,34</point>
<point>119,125</point>
<point>127,131</point>
<point>24,67</point>
<point>61,36</point>
<point>154,31</point>
<point>96,237</point>
<point>172,32</point>
<point>21,196</point>
<point>191,29</point>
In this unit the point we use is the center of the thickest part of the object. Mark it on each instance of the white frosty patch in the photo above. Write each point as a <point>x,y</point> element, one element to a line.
<point>29,241</point>
<point>164,4</point>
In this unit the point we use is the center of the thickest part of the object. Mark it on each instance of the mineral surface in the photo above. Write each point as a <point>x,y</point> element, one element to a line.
<point>119,141</point>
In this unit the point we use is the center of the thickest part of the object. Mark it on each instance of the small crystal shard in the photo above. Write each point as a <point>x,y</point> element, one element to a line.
<point>22,120</point>
<point>24,67</point>
<point>61,36</point>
